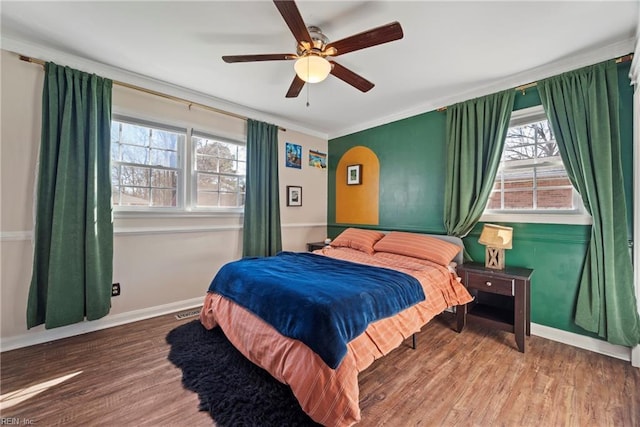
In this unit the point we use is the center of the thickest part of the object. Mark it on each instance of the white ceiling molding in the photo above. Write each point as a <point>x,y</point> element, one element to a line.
<point>62,58</point>
<point>553,69</point>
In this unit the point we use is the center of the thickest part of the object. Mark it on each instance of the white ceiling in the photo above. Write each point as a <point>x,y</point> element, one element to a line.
<point>451,50</point>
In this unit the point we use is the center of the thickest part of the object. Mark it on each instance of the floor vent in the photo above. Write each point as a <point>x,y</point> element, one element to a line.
<point>191,313</point>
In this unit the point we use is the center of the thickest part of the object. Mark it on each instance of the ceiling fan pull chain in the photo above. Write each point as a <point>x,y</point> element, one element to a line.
<point>307,84</point>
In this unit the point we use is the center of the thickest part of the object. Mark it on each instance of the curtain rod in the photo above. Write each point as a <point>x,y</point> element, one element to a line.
<point>159,94</point>
<point>522,88</point>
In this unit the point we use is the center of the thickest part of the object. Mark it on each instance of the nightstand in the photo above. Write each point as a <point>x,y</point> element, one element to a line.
<point>315,245</point>
<point>501,299</point>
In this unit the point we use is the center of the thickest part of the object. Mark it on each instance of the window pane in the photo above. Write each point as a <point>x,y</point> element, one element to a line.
<point>207,198</point>
<point>205,146</point>
<point>140,155</point>
<point>229,184</point>
<point>228,199</point>
<point>552,176</point>
<point>531,175</point>
<point>221,168</point>
<point>132,175</point>
<point>115,175</point>
<point>207,182</point>
<point>161,178</point>
<point>495,200</point>
<point>135,135</point>
<point>242,168</point>
<point>164,158</point>
<point>519,178</point>
<point>521,199</point>
<point>227,150</point>
<point>130,196</point>
<point>115,152</point>
<point>133,154</point>
<point>548,150</point>
<point>164,198</point>
<point>558,198</point>
<point>207,163</point>
<point>228,166</point>
<point>115,132</point>
<point>164,139</point>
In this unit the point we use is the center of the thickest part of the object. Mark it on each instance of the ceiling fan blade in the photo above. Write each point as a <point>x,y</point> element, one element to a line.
<point>292,17</point>
<point>296,86</point>
<point>384,34</point>
<point>350,77</point>
<point>254,58</point>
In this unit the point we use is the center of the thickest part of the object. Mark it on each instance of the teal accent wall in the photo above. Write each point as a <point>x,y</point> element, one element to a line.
<point>410,151</point>
<point>412,154</point>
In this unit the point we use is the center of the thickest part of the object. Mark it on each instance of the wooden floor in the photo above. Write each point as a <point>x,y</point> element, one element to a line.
<point>476,378</point>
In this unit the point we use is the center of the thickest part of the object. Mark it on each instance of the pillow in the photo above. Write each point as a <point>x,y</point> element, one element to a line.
<point>357,238</point>
<point>418,246</point>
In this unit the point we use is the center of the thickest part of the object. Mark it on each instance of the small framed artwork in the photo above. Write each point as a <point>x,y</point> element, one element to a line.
<point>293,155</point>
<point>354,174</point>
<point>317,159</point>
<point>294,195</point>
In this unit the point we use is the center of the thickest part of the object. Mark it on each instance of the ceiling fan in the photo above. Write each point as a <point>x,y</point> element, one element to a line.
<point>313,48</point>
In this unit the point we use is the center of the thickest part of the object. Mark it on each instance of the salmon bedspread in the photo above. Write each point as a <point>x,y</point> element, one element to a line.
<point>331,396</point>
<point>322,301</point>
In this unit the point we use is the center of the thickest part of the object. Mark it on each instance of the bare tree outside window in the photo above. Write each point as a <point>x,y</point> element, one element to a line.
<point>221,169</point>
<point>150,161</point>
<point>531,176</point>
<point>145,165</point>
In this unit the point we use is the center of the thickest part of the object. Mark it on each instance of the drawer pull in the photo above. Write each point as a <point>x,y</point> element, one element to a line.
<point>488,283</point>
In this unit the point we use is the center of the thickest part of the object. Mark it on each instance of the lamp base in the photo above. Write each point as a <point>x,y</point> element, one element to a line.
<point>494,258</point>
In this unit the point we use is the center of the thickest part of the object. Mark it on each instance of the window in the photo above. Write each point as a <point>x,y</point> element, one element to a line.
<point>220,172</point>
<point>531,180</point>
<point>146,165</point>
<point>151,162</point>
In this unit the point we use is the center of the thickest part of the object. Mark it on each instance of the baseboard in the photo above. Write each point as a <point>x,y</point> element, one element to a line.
<point>46,335</point>
<point>39,337</point>
<point>581,341</point>
<point>577,340</point>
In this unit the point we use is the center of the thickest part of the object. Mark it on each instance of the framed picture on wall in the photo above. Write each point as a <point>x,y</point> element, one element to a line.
<point>317,159</point>
<point>294,195</point>
<point>293,155</point>
<point>354,174</point>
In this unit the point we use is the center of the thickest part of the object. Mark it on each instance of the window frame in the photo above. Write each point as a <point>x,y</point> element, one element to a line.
<point>578,216</point>
<point>193,190</point>
<point>186,187</point>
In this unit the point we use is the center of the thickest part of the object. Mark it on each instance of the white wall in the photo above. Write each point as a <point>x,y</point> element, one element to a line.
<point>163,262</point>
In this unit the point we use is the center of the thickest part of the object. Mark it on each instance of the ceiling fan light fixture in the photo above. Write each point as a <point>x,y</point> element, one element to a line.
<point>312,68</point>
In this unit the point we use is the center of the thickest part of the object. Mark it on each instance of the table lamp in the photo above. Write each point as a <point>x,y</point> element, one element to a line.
<point>496,238</point>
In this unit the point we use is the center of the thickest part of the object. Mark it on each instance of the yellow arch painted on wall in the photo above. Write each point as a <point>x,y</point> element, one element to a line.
<point>358,204</point>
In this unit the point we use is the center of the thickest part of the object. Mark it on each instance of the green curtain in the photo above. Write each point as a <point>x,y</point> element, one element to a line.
<point>583,109</point>
<point>476,131</point>
<point>73,251</point>
<point>261,231</point>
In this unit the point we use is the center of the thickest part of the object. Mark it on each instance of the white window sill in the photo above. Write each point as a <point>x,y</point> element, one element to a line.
<point>178,213</point>
<point>569,219</point>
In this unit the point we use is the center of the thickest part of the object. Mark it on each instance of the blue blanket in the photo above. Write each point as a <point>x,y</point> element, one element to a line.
<point>321,301</point>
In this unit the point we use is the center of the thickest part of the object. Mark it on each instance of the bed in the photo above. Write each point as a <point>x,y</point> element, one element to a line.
<point>328,391</point>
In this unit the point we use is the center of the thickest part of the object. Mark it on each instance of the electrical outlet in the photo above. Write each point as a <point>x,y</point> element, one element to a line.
<point>115,289</point>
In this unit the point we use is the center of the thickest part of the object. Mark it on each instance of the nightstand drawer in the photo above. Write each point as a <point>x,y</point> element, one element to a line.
<point>494,285</point>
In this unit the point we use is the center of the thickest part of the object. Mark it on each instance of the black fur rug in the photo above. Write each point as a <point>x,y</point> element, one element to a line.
<point>231,388</point>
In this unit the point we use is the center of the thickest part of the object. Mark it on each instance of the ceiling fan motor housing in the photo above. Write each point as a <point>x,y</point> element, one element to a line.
<point>319,42</point>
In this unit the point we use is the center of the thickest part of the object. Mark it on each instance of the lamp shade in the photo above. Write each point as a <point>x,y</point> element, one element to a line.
<point>312,68</point>
<point>496,236</point>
